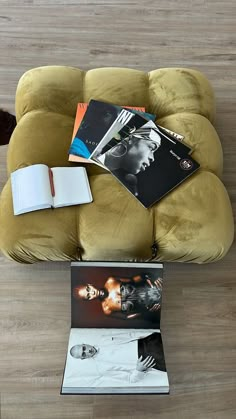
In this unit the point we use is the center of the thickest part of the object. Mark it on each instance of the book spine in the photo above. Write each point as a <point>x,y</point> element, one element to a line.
<point>50,174</point>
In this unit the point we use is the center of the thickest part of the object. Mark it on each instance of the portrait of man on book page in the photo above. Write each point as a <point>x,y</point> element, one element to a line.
<point>117,357</point>
<point>106,297</point>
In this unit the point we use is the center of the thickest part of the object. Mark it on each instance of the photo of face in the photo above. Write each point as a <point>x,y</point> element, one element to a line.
<point>108,117</point>
<point>87,292</point>
<point>139,155</point>
<point>83,351</point>
<point>122,298</point>
<point>135,153</point>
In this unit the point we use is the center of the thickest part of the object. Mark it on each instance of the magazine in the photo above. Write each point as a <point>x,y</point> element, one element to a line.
<point>118,132</point>
<point>97,119</point>
<point>149,163</point>
<point>80,112</point>
<point>85,133</point>
<point>115,344</point>
<point>82,108</point>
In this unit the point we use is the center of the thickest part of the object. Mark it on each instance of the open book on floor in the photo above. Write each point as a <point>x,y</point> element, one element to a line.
<point>38,187</point>
<point>115,344</point>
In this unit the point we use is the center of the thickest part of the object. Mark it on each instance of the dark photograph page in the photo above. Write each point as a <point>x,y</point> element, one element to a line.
<point>150,163</point>
<point>116,296</point>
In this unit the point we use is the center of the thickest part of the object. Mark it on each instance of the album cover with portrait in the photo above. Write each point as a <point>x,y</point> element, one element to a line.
<point>150,163</point>
<point>128,122</point>
<point>99,113</point>
<point>80,113</point>
<point>115,344</point>
<point>92,122</point>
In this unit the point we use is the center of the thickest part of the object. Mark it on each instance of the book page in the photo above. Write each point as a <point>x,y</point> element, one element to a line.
<point>111,361</point>
<point>71,186</point>
<point>116,295</point>
<point>31,189</point>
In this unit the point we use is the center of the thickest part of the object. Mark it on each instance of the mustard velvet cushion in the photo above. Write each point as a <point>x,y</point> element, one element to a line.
<point>193,223</point>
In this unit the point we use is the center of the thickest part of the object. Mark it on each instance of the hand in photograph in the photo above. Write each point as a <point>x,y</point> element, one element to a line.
<point>145,364</point>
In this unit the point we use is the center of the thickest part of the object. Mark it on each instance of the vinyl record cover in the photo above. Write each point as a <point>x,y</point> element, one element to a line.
<point>80,112</point>
<point>122,119</point>
<point>135,122</point>
<point>82,108</point>
<point>97,119</point>
<point>91,123</point>
<point>149,163</point>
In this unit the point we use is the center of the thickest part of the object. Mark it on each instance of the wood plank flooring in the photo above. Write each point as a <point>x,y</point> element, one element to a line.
<point>199,303</point>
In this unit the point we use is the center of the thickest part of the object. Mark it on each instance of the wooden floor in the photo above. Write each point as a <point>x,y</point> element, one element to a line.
<point>199,307</point>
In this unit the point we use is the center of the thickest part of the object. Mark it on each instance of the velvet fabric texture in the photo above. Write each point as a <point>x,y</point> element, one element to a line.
<point>193,223</point>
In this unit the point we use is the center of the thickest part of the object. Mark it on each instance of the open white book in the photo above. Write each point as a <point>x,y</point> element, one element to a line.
<point>115,344</point>
<point>38,187</point>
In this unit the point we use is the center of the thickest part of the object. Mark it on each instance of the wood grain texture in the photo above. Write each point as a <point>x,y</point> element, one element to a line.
<point>199,302</point>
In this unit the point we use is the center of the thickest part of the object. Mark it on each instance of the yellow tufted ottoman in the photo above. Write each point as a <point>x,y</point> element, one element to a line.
<point>192,224</point>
